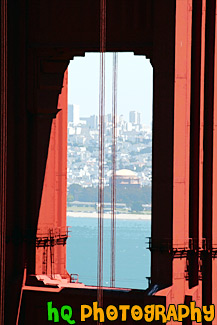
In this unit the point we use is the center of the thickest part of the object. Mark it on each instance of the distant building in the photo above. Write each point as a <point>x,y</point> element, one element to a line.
<point>108,118</point>
<point>73,114</point>
<point>138,118</point>
<point>135,117</point>
<point>83,120</point>
<point>126,177</point>
<point>121,118</point>
<point>129,127</point>
<point>92,122</point>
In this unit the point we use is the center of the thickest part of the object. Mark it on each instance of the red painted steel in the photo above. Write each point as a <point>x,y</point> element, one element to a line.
<point>165,32</point>
<point>52,215</point>
<point>180,232</point>
<point>182,244</point>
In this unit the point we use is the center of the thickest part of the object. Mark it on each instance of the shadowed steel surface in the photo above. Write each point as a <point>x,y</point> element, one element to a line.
<point>3,152</point>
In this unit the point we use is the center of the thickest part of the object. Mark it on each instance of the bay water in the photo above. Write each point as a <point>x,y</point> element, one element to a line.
<point>132,256</point>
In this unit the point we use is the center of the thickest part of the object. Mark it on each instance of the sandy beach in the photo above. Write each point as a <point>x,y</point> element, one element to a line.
<point>120,216</point>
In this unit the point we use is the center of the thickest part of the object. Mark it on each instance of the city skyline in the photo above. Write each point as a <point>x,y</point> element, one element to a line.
<point>134,151</point>
<point>135,85</point>
<point>74,117</point>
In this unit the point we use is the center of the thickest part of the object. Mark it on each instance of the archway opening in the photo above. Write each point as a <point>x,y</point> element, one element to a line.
<point>133,168</point>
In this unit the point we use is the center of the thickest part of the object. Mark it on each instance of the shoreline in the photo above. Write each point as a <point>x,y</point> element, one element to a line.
<point>119,216</point>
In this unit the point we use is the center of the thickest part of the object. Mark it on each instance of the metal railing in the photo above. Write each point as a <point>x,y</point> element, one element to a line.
<point>52,236</point>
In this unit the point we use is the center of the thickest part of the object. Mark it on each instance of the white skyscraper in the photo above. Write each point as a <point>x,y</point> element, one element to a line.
<point>73,114</point>
<point>135,117</point>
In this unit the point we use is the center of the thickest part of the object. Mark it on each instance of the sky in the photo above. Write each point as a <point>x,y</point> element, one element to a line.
<point>134,89</point>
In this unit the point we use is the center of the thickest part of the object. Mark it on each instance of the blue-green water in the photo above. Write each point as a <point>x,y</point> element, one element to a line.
<point>132,255</point>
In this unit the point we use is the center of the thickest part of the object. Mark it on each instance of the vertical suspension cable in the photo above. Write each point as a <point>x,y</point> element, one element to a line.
<point>3,151</point>
<point>101,152</point>
<point>113,179</point>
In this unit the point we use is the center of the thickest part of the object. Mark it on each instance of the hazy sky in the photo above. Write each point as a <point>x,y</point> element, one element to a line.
<point>135,85</point>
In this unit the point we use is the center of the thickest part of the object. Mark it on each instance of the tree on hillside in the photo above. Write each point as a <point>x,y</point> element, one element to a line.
<point>133,197</point>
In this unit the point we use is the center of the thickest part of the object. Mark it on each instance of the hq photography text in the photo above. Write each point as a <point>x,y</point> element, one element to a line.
<point>148,313</point>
